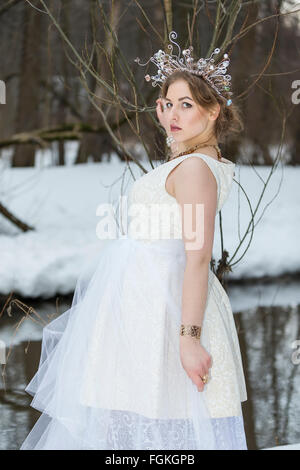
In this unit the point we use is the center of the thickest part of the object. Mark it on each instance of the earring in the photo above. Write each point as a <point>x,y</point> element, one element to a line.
<point>170,140</point>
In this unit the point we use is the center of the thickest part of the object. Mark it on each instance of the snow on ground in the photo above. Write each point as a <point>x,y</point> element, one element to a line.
<point>275,247</point>
<point>61,203</point>
<point>287,447</point>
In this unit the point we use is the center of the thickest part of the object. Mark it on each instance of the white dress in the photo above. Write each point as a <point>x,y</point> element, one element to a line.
<point>110,375</point>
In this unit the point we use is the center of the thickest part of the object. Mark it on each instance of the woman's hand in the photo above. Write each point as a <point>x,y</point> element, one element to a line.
<point>161,113</point>
<point>195,360</point>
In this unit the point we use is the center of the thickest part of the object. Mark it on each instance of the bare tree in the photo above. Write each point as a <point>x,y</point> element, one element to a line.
<point>223,33</point>
<point>96,144</point>
<point>28,100</point>
<point>119,107</point>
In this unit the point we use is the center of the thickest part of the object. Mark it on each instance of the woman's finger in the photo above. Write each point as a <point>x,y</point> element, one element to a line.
<point>159,104</point>
<point>196,379</point>
<point>162,102</point>
<point>199,383</point>
<point>205,377</point>
<point>160,116</point>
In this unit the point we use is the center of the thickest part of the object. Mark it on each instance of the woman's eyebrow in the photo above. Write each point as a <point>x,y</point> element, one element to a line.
<point>180,99</point>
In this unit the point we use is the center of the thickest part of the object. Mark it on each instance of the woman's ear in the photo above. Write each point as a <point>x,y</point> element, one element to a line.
<point>214,113</point>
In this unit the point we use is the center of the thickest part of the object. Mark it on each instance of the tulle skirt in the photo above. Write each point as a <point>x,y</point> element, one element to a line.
<point>110,375</point>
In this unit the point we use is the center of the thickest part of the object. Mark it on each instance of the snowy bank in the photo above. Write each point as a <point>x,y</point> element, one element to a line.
<point>61,203</point>
<point>287,447</point>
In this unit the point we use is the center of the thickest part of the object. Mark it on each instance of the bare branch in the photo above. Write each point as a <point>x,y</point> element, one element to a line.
<point>13,219</point>
<point>8,5</point>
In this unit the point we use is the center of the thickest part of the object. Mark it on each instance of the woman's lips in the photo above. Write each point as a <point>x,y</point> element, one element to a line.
<point>175,128</point>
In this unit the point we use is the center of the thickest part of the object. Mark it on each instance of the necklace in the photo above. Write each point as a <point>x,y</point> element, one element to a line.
<point>192,149</point>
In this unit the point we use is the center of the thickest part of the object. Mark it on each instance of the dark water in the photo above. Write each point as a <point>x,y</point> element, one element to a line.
<point>266,334</point>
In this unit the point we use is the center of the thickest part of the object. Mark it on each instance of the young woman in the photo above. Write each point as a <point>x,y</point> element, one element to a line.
<point>148,357</point>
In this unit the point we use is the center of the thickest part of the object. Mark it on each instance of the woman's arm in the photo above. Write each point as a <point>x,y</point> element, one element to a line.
<point>195,189</point>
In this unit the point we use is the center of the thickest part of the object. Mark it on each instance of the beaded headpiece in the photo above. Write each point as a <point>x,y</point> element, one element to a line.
<point>213,74</point>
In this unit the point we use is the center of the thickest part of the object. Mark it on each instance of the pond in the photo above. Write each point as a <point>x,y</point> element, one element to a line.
<point>267,317</point>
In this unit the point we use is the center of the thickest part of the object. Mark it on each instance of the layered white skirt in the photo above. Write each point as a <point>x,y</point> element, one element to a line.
<point>110,375</point>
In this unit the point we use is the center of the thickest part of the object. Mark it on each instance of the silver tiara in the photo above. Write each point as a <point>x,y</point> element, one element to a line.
<point>213,74</point>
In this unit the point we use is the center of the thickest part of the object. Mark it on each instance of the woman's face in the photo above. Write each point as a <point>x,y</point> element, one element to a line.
<point>186,119</point>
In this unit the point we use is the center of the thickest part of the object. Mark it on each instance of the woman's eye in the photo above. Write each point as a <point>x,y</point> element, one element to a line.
<point>185,102</point>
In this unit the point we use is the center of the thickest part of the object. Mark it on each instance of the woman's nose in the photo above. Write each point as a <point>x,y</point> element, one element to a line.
<point>174,113</point>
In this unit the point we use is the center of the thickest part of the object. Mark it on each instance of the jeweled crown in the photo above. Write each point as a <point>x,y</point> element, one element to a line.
<point>214,74</point>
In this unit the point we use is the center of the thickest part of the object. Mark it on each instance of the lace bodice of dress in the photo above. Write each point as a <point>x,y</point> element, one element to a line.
<point>154,214</point>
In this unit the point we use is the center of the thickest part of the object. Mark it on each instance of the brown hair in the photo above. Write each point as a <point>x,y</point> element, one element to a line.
<point>229,120</point>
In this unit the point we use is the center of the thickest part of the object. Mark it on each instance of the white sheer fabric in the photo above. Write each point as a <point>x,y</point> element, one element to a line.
<point>110,375</point>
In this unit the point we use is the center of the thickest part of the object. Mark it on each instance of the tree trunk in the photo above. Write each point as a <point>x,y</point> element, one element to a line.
<point>62,110</point>
<point>93,145</point>
<point>28,99</point>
